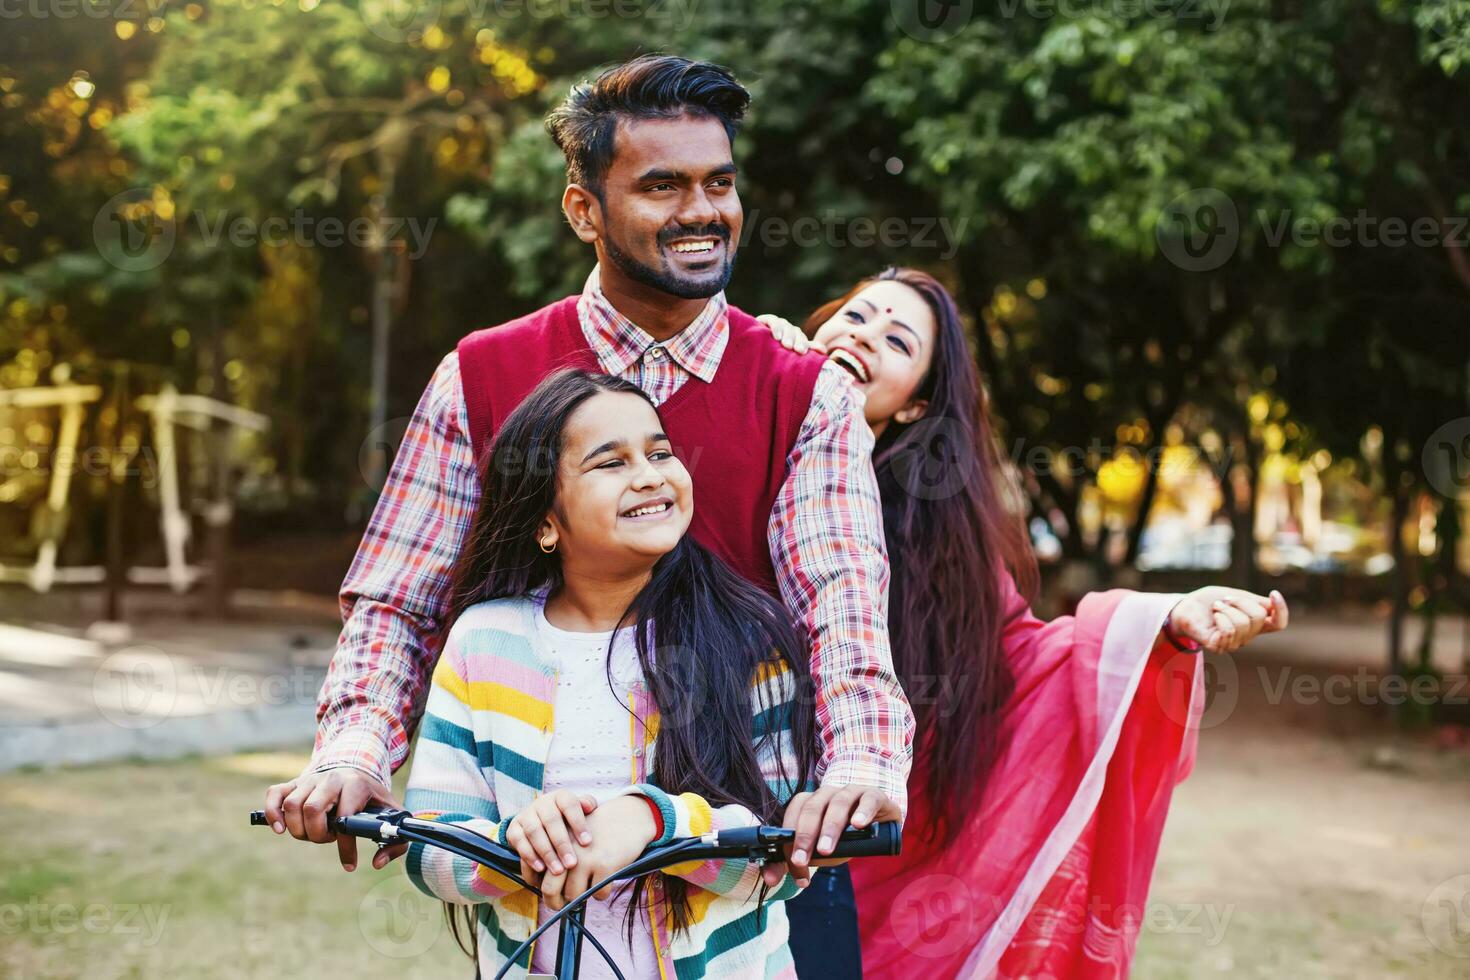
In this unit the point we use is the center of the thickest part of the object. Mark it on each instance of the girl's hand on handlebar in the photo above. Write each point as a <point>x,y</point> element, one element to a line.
<point>622,828</point>
<point>542,833</point>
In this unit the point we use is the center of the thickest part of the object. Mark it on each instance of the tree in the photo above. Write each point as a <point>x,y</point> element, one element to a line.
<point>1101,155</point>
<point>354,137</point>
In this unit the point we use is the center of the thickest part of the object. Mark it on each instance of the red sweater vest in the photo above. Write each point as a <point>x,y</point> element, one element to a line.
<point>733,434</point>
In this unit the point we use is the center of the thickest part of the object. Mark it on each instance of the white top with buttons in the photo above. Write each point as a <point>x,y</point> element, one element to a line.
<point>590,753</point>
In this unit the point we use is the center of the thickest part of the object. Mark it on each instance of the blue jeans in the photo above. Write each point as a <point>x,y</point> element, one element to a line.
<point>824,927</point>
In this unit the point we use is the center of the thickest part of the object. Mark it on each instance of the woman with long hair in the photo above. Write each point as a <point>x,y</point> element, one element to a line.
<point>606,684</point>
<point>1046,752</point>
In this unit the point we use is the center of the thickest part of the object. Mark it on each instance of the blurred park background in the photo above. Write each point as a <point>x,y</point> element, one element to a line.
<point>1216,257</point>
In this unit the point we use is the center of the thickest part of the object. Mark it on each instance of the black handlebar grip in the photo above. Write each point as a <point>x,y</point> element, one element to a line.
<point>879,840</point>
<point>363,824</point>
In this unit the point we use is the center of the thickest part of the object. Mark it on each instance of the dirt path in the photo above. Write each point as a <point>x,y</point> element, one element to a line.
<point>1293,854</point>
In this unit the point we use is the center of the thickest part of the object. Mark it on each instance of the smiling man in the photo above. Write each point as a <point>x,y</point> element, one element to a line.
<point>776,444</point>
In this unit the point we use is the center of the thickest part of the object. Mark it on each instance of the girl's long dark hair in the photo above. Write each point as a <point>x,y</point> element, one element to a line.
<point>715,632</point>
<point>951,532</point>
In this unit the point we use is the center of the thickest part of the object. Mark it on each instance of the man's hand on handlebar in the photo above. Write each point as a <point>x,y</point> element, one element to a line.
<point>300,806</point>
<point>819,818</point>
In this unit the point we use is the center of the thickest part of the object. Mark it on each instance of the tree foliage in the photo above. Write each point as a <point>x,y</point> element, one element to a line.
<point>1057,169</point>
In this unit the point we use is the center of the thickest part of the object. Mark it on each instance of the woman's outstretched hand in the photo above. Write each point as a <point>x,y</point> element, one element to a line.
<point>1222,620</point>
<point>790,335</point>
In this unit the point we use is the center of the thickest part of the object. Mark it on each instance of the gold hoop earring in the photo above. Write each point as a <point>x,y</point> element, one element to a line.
<point>544,549</point>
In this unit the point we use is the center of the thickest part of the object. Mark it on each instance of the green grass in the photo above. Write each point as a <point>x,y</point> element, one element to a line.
<point>150,870</point>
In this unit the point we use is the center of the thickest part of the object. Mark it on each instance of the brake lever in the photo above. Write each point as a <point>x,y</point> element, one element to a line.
<point>372,824</point>
<point>768,844</point>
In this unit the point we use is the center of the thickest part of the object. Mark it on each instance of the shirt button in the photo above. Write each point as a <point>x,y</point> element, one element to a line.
<point>654,353</point>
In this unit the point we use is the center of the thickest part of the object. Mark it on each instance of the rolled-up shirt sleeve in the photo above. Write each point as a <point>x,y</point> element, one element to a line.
<point>826,539</point>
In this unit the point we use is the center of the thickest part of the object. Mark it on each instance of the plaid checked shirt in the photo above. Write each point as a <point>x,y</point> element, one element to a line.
<point>826,540</point>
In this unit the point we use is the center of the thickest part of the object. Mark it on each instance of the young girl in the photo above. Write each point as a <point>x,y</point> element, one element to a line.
<point>608,684</point>
<point>1046,752</point>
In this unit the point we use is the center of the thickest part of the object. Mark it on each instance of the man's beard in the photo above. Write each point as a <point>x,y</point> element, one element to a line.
<point>666,281</point>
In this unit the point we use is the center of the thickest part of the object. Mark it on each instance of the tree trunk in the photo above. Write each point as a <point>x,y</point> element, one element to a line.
<point>1150,490</point>
<point>1068,501</point>
<point>1400,577</point>
<point>1243,520</point>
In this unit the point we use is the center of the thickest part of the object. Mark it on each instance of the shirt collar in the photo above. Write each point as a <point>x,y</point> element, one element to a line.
<point>619,342</point>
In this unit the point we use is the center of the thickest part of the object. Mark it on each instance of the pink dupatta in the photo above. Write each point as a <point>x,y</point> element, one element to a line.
<point>1051,874</point>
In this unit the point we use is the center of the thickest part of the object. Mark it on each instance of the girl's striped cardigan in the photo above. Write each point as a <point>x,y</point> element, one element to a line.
<point>481,756</point>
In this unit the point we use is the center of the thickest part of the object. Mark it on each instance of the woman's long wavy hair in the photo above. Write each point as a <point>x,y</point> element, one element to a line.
<point>959,524</point>
<point>715,632</point>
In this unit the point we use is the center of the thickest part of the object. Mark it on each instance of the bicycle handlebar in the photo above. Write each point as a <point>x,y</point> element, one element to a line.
<point>763,843</point>
<point>755,844</point>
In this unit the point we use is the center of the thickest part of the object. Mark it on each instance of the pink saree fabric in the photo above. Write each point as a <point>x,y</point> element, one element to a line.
<point>1050,876</point>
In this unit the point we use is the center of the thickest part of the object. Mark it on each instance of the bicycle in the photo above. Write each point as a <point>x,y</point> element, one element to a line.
<point>760,844</point>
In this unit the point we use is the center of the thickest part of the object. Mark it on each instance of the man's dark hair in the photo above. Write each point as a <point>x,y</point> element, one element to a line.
<point>651,86</point>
